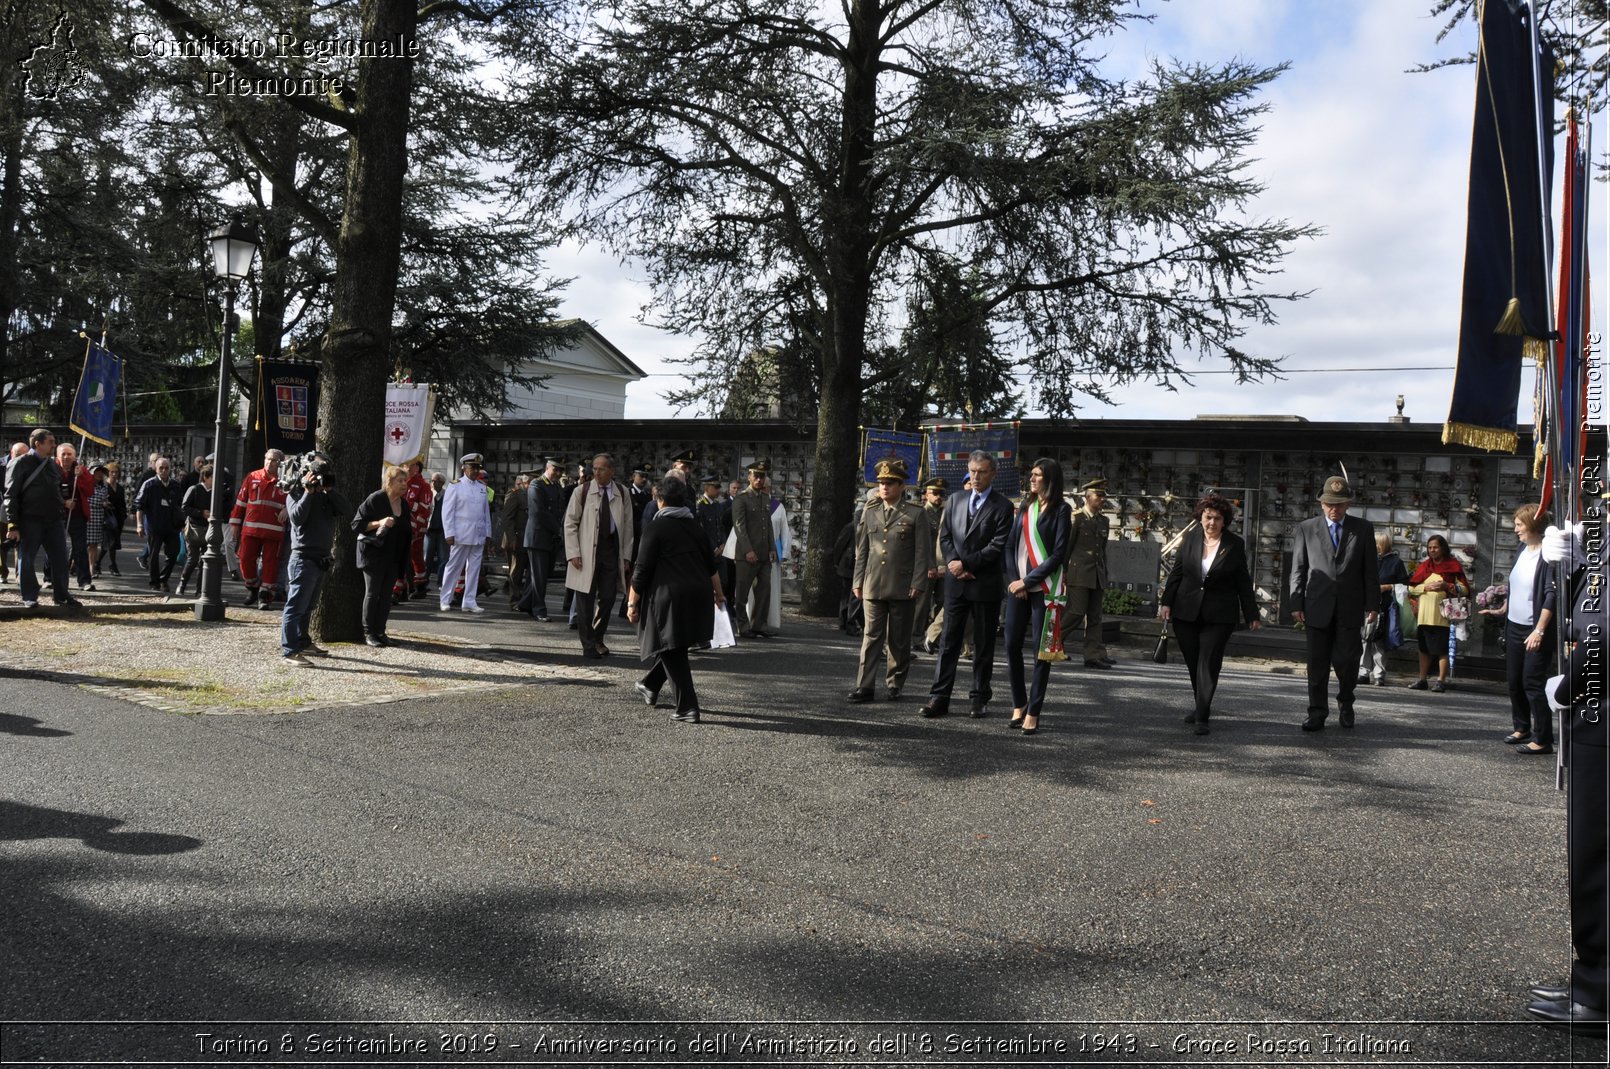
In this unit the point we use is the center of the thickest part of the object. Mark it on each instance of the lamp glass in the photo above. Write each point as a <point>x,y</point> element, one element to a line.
<point>234,246</point>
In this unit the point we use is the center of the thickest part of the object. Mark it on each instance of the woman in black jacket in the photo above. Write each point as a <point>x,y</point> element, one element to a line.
<point>1207,586</point>
<point>384,534</point>
<point>1035,554</point>
<point>673,585</point>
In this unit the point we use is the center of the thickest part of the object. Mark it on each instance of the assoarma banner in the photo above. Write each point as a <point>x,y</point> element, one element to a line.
<point>949,448</point>
<point>409,411</point>
<point>96,396</point>
<point>290,405</point>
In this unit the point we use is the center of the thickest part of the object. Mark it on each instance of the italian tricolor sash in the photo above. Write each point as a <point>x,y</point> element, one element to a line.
<point>1055,587</point>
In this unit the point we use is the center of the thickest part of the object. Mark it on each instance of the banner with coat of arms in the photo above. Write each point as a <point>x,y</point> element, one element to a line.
<point>410,411</point>
<point>879,443</point>
<point>289,405</point>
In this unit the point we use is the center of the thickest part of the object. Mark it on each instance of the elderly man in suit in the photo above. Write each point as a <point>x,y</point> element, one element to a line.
<point>972,541</point>
<point>598,537</point>
<point>893,549</point>
<point>755,549</point>
<point>1087,572</point>
<point>1334,592</point>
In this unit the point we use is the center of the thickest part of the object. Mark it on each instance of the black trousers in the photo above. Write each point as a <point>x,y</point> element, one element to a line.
<point>673,666</point>
<point>540,568</point>
<point>958,610</point>
<point>1025,617</point>
<point>77,531</point>
<point>161,545</point>
<point>1336,648</point>
<point>1202,648</point>
<point>377,583</point>
<point>1526,672</point>
<point>1589,870</point>
<point>593,607</point>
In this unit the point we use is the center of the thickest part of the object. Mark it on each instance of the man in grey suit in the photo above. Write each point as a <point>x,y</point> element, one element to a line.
<point>1334,592</point>
<point>972,540</point>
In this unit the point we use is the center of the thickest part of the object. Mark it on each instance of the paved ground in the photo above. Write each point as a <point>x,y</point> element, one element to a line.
<point>560,853</point>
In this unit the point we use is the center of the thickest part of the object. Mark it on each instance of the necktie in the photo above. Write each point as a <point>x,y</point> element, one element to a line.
<point>1336,535</point>
<point>972,509</point>
<point>606,520</point>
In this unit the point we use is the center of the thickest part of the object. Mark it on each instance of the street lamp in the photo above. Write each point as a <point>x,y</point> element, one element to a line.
<point>234,246</point>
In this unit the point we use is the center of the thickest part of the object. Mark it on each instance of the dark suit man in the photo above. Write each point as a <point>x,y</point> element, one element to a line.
<point>1582,1003</point>
<point>972,541</point>
<point>1334,591</point>
<point>544,535</point>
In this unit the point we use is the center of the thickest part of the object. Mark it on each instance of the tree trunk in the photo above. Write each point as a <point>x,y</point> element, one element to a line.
<point>849,257</point>
<point>357,347</point>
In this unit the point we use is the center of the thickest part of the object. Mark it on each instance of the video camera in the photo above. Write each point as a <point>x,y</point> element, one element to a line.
<point>294,469</point>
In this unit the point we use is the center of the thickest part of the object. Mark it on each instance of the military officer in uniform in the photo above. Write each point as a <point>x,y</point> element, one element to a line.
<point>755,549</point>
<point>933,503</point>
<point>544,535</point>
<point>894,545</point>
<point>1087,572</point>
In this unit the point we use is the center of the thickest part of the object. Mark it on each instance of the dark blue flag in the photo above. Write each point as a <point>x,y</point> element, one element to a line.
<point>93,405</point>
<point>1504,313</point>
<point>949,448</point>
<point>881,444</point>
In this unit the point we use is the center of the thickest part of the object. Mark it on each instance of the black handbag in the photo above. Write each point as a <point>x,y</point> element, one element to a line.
<point>1160,654</point>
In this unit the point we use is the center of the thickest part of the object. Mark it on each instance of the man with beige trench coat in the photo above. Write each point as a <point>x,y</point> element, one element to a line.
<point>598,537</point>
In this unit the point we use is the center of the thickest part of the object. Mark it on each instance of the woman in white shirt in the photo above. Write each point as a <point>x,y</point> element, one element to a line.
<point>1529,637</point>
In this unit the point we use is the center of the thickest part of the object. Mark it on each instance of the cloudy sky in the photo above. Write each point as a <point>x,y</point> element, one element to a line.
<point>1374,155</point>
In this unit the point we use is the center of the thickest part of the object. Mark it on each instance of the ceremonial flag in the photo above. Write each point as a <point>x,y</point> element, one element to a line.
<point>97,394</point>
<point>1504,313</point>
<point>878,443</point>
<point>1570,381</point>
<point>288,404</point>
<point>949,448</point>
<point>410,409</point>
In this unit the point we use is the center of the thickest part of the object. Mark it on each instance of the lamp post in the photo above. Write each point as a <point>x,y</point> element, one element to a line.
<point>234,246</point>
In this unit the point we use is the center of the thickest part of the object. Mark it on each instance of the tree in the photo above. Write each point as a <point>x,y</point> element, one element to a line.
<point>372,116</point>
<point>780,166</point>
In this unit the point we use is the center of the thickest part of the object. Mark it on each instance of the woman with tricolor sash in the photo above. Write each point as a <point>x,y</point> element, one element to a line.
<point>1036,589</point>
<point>1207,593</point>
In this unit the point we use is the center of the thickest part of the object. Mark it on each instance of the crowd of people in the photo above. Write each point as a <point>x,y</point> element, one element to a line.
<point>961,570</point>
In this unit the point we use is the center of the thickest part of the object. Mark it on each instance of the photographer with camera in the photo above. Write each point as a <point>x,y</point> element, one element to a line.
<point>313,511</point>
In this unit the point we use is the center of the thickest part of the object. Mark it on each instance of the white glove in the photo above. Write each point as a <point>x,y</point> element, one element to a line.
<point>1557,542</point>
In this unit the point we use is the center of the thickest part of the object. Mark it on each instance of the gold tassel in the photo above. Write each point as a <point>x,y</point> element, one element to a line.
<point>1539,455</point>
<point>1488,438</point>
<point>1511,322</point>
<point>1536,350</point>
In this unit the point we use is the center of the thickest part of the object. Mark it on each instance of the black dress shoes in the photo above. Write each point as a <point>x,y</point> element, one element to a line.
<point>1315,722</point>
<point>1581,1020</point>
<point>1345,717</point>
<point>689,717</point>
<point>1108,661</point>
<point>647,695</point>
<point>1099,663</point>
<point>1528,751</point>
<point>894,694</point>
<point>935,708</point>
<point>861,694</point>
<point>978,712</point>
<point>1551,994</point>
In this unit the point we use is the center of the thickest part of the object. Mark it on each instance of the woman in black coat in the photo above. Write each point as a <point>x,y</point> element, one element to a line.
<point>1208,591</point>
<point>1035,554</point>
<point>384,534</point>
<point>673,585</point>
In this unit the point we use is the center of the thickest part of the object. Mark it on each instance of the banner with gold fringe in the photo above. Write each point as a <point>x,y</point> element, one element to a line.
<point>1504,314</point>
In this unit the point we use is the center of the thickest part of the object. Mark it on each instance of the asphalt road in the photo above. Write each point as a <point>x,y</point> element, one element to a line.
<point>564,854</point>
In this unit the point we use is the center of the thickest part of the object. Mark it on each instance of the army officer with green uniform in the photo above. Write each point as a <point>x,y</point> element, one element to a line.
<point>894,546</point>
